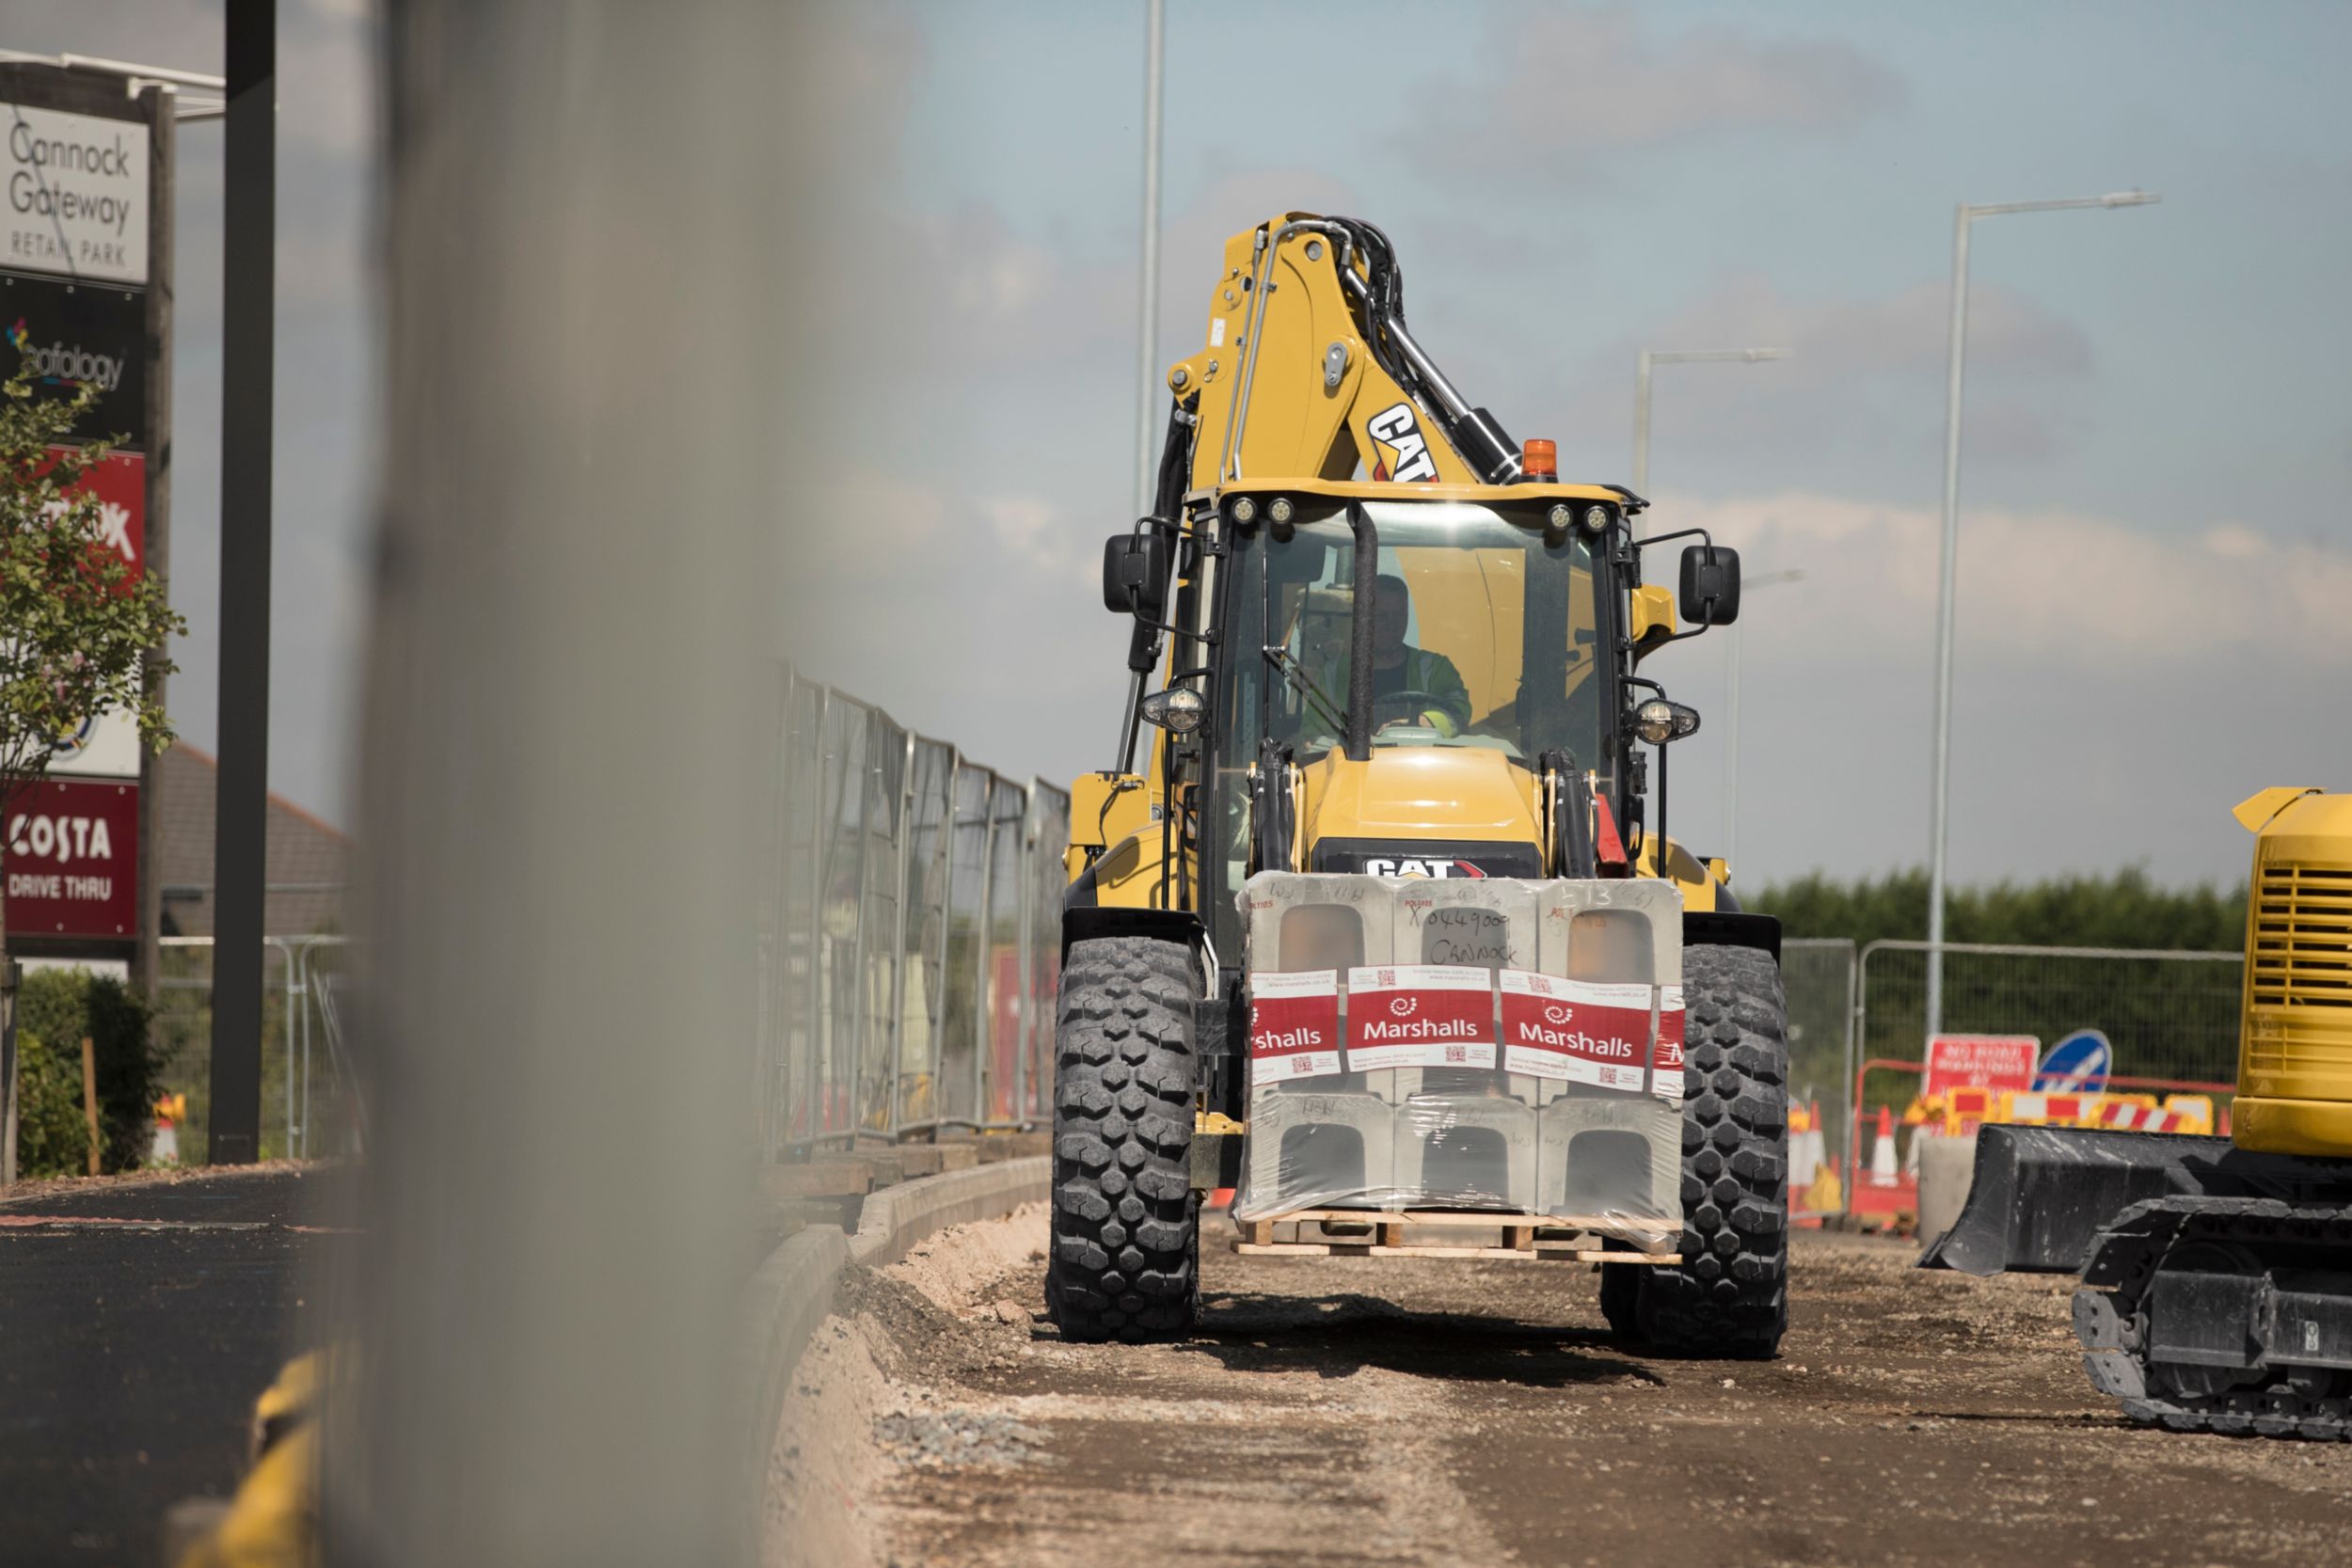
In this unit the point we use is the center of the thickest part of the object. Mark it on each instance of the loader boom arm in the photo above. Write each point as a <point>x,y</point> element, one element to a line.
<point>1309,369</point>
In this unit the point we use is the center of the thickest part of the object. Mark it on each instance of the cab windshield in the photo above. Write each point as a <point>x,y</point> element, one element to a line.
<point>1482,633</point>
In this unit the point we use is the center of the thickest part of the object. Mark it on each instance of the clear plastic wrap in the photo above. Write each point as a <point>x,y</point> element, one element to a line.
<point>1481,1044</point>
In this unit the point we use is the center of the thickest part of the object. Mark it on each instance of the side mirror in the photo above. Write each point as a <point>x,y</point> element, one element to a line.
<point>1709,594</point>
<point>1134,574</point>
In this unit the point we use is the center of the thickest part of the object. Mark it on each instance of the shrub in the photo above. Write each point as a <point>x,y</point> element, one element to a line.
<point>51,1139</point>
<point>55,1008</point>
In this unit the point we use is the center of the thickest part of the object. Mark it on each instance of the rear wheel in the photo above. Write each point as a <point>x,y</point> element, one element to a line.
<point>1729,1296</point>
<point>1126,1262</point>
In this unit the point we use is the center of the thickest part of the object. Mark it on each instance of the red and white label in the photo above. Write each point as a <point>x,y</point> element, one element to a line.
<point>1420,1015</point>
<point>1293,1026</point>
<point>1666,1060</point>
<point>1579,1031</point>
<point>1981,1061</point>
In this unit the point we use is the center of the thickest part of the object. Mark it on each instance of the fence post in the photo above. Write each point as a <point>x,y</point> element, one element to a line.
<point>899,941</point>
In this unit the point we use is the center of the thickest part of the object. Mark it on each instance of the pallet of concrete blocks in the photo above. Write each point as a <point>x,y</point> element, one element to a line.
<point>1502,1046</point>
<point>1599,1023</point>
<point>1321,1135</point>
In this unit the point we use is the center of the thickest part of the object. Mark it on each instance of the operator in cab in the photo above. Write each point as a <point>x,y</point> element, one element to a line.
<point>1410,685</point>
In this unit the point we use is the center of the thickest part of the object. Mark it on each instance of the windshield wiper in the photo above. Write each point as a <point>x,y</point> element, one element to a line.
<point>1295,676</point>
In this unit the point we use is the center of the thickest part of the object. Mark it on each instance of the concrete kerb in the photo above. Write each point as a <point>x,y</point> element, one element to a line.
<point>894,1219</point>
<point>792,1291</point>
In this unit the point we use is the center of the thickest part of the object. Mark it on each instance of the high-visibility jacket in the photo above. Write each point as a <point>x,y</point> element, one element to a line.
<point>1448,711</point>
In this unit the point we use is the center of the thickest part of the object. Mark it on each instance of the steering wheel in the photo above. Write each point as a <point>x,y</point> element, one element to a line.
<point>1406,704</point>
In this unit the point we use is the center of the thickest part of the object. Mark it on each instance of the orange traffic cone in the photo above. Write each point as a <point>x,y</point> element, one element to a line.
<point>1882,1160</point>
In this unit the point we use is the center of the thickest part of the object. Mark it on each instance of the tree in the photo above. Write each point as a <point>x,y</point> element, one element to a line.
<point>78,635</point>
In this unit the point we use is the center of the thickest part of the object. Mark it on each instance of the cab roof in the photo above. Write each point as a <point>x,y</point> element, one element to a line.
<point>1384,490</point>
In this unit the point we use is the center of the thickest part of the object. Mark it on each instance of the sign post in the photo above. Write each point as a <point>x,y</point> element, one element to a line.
<point>241,804</point>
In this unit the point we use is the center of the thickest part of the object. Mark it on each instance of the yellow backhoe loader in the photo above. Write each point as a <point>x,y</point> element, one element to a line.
<point>2217,1272</point>
<point>1389,642</point>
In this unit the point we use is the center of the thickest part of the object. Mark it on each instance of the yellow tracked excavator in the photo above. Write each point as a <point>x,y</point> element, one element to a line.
<point>2217,1272</point>
<point>1389,642</point>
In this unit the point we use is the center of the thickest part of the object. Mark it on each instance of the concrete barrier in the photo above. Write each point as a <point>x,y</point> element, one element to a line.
<point>1947,1165</point>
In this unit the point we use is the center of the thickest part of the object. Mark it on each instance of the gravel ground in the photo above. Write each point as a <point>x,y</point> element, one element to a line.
<point>1364,1410</point>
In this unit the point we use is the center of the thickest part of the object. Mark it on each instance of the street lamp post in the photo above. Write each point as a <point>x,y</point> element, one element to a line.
<point>1962,216</point>
<point>1731,716</point>
<point>1149,392</point>
<point>1651,357</point>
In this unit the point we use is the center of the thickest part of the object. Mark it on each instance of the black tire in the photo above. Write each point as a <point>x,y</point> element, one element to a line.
<point>1126,1262</point>
<point>1729,1297</point>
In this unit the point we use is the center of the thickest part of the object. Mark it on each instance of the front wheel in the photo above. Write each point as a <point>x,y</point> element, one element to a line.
<point>1126,1262</point>
<point>1729,1296</point>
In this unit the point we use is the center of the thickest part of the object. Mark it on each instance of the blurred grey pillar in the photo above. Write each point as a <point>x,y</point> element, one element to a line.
<point>560,783</point>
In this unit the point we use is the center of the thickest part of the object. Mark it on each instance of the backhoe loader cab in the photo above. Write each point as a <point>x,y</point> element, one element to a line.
<point>1372,636</point>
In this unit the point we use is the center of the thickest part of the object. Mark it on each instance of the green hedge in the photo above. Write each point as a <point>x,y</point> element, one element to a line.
<point>56,1009</point>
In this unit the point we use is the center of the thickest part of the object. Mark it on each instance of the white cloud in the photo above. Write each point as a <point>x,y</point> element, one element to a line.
<point>2067,589</point>
<point>1578,81</point>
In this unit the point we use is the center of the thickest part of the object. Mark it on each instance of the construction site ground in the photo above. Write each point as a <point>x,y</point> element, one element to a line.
<point>1447,1412</point>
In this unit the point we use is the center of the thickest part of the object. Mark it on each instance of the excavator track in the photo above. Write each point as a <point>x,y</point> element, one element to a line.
<point>2111,1321</point>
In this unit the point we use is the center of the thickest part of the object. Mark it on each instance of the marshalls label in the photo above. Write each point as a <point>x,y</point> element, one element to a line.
<point>1576,1031</point>
<point>1293,1026</point>
<point>1420,1015</point>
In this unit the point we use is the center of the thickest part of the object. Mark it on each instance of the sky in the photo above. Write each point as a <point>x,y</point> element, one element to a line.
<point>2155,564</point>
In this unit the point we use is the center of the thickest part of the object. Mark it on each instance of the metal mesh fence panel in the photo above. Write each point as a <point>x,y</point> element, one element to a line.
<point>961,1019</point>
<point>1818,976</point>
<point>922,935</point>
<point>1003,981</point>
<point>879,925</point>
<point>2169,1016</point>
<point>1041,940</point>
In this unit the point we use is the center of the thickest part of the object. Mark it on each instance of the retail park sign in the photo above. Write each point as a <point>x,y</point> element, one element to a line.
<point>73,195</point>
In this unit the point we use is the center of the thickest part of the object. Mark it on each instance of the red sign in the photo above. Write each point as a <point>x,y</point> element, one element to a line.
<point>72,859</point>
<point>1666,1061</point>
<point>119,481</point>
<point>1420,1015</point>
<point>1579,1031</point>
<point>1981,1061</point>
<point>1293,1026</point>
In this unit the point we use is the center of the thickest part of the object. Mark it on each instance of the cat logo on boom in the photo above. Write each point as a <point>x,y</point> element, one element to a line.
<point>1397,426</point>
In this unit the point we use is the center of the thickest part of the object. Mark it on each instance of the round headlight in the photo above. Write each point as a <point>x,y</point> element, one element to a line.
<point>1281,510</point>
<point>1561,517</point>
<point>1178,710</point>
<point>1595,518</point>
<point>1245,511</point>
<point>1654,720</point>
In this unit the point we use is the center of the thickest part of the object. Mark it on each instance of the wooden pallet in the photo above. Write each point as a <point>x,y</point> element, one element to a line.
<point>1517,1240</point>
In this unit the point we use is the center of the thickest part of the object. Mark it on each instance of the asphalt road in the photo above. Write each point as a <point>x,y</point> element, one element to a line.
<point>1364,1410</point>
<point>131,1352</point>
